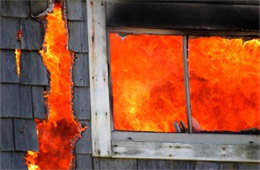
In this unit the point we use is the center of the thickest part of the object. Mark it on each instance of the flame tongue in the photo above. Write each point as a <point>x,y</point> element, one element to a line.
<point>56,135</point>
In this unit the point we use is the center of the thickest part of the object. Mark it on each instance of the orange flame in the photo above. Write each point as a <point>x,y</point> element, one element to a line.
<point>224,78</point>
<point>18,58</point>
<point>148,83</point>
<point>58,134</point>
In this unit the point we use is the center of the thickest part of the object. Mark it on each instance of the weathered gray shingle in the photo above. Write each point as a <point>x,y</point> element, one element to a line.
<point>25,99</point>
<point>184,164</point>
<point>33,71</point>
<point>32,34</point>
<point>83,145</point>
<point>15,8</point>
<point>9,100</point>
<point>7,138</point>
<point>8,31</point>
<point>154,164</point>
<point>117,164</point>
<point>12,160</point>
<point>38,6</point>
<point>38,102</point>
<point>78,40</point>
<point>80,70</point>
<point>207,165</point>
<point>75,9</point>
<point>25,135</point>
<point>81,103</point>
<point>83,161</point>
<point>8,71</point>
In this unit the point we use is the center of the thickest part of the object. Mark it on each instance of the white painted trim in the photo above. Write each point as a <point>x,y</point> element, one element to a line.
<point>98,71</point>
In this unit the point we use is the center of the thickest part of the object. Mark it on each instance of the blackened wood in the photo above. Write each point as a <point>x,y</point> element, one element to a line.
<point>83,145</point>
<point>38,6</point>
<point>78,40</point>
<point>33,71</point>
<point>32,34</point>
<point>12,160</point>
<point>183,16</point>
<point>25,99</point>
<point>81,103</point>
<point>25,135</point>
<point>207,165</point>
<point>7,138</point>
<point>177,127</point>
<point>75,9</point>
<point>83,161</point>
<point>8,71</point>
<point>154,164</point>
<point>118,164</point>
<point>38,102</point>
<point>8,32</point>
<point>9,100</point>
<point>17,8</point>
<point>80,70</point>
<point>229,165</point>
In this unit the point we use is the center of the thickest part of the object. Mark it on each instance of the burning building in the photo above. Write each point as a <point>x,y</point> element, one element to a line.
<point>104,84</point>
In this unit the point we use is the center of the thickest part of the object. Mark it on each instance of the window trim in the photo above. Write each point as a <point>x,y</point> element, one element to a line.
<point>147,145</point>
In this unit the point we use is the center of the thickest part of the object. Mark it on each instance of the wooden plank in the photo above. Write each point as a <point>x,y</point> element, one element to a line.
<point>174,15</point>
<point>38,102</point>
<point>78,36</point>
<point>100,106</point>
<point>38,6</point>
<point>118,164</point>
<point>80,71</point>
<point>83,145</point>
<point>7,138</point>
<point>25,99</point>
<point>17,8</point>
<point>12,160</point>
<point>9,100</point>
<point>185,138</point>
<point>33,72</point>
<point>75,10</point>
<point>154,164</point>
<point>25,135</point>
<point>207,165</point>
<point>8,67</point>
<point>186,151</point>
<point>8,32</point>
<point>81,103</point>
<point>32,34</point>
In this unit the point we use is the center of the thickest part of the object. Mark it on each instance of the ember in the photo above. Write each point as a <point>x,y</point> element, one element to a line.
<point>148,83</point>
<point>18,58</point>
<point>59,132</point>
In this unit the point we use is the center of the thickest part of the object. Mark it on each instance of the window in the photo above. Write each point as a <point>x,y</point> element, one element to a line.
<point>111,140</point>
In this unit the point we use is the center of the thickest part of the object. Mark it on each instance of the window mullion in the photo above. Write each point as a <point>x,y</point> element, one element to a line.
<point>186,82</point>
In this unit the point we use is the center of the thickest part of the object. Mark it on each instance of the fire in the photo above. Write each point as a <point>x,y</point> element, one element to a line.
<point>224,80</point>
<point>18,58</point>
<point>148,82</point>
<point>59,132</point>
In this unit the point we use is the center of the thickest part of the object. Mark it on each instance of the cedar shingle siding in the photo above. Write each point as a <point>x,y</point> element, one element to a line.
<point>22,98</point>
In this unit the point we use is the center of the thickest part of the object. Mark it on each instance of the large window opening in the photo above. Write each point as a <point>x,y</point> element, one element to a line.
<point>148,83</point>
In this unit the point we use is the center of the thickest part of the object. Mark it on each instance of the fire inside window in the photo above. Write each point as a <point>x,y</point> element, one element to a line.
<point>173,83</point>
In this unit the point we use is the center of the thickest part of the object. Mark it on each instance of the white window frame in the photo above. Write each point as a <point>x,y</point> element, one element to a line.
<point>115,144</point>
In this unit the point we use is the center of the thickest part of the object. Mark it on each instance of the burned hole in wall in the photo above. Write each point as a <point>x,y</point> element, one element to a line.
<point>148,87</point>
